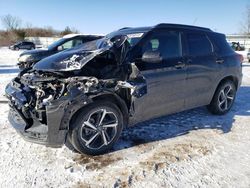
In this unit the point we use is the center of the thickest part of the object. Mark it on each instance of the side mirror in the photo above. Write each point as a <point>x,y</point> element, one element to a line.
<point>59,48</point>
<point>151,57</point>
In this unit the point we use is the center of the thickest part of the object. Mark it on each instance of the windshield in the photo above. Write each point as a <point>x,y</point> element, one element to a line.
<point>56,44</point>
<point>132,38</point>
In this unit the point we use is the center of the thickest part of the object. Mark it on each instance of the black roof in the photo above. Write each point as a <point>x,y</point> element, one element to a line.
<point>162,25</point>
<point>181,26</point>
<point>129,30</point>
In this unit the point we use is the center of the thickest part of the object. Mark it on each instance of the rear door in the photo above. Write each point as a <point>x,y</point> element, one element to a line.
<point>202,69</point>
<point>165,79</point>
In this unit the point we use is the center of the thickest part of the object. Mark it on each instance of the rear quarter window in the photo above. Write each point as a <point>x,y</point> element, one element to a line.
<point>220,44</point>
<point>199,44</point>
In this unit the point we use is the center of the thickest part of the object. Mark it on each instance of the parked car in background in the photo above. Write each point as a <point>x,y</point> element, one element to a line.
<point>23,45</point>
<point>240,49</point>
<point>237,46</point>
<point>87,95</point>
<point>29,58</point>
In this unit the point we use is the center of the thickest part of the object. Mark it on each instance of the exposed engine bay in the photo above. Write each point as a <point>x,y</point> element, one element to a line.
<point>40,89</point>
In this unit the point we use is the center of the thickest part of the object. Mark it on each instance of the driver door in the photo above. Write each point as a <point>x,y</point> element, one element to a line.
<point>165,79</point>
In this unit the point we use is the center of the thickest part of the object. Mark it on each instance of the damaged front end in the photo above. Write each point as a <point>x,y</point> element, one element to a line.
<point>44,100</point>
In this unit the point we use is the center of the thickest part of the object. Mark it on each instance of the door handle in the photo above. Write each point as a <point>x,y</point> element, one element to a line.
<point>219,61</point>
<point>180,65</point>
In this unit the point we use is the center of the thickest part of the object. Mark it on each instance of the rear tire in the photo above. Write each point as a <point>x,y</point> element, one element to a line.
<point>223,98</point>
<point>96,128</point>
<point>16,48</point>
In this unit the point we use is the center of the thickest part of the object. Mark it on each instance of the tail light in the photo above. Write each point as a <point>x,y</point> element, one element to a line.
<point>240,57</point>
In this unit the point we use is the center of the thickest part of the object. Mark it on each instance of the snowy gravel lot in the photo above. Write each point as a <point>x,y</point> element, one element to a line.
<point>188,149</point>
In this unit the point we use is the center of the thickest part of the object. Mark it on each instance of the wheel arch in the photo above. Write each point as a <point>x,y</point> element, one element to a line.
<point>231,78</point>
<point>111,97</point>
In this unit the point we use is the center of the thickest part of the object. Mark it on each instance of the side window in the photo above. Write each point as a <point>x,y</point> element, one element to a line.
<point>199,44</point>
<point>220,44</point>
<point>77,42</point>
<point>72,43</point>
<point>165,46</point>
<point>155,44</point>
<point>67,45</point>
<point>166,43</point>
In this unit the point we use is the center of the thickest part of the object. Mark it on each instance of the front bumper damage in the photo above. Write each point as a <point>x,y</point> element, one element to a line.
<point>58,115</point>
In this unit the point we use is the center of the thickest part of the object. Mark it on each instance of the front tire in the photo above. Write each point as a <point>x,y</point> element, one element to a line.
<point>223,98</point>
<point>96,128</point>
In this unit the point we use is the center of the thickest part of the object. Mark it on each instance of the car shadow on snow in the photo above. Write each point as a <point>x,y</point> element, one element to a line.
<point>182,123</point>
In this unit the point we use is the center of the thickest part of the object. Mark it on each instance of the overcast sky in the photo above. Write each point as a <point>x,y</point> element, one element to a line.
<point>104,16</point>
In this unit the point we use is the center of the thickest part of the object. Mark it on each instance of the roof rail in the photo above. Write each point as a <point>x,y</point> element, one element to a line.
<point>167,25</point>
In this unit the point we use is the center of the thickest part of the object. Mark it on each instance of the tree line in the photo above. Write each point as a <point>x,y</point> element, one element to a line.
<point>15,31</point>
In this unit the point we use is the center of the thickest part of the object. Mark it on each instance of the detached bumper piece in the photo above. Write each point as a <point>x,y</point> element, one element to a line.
<point>28,125</point>
<point>36,133</point>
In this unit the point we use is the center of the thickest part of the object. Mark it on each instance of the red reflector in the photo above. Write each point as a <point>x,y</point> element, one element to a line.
<point>241,58</point>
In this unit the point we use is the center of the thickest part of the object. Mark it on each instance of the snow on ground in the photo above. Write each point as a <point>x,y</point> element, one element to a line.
<point>8,68</point>
<point>188,149</point>
<point>8,57</point>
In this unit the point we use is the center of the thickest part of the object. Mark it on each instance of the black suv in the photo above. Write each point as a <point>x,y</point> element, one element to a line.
<point>85,96</point>
<point>23,45</point>
<point>29,58</point>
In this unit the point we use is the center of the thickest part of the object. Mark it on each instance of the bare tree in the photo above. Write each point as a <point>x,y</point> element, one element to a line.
<point>11,22</point>
<point>245,25</point>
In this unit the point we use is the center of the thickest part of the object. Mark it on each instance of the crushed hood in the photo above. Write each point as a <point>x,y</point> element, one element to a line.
<point>76,58</point>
